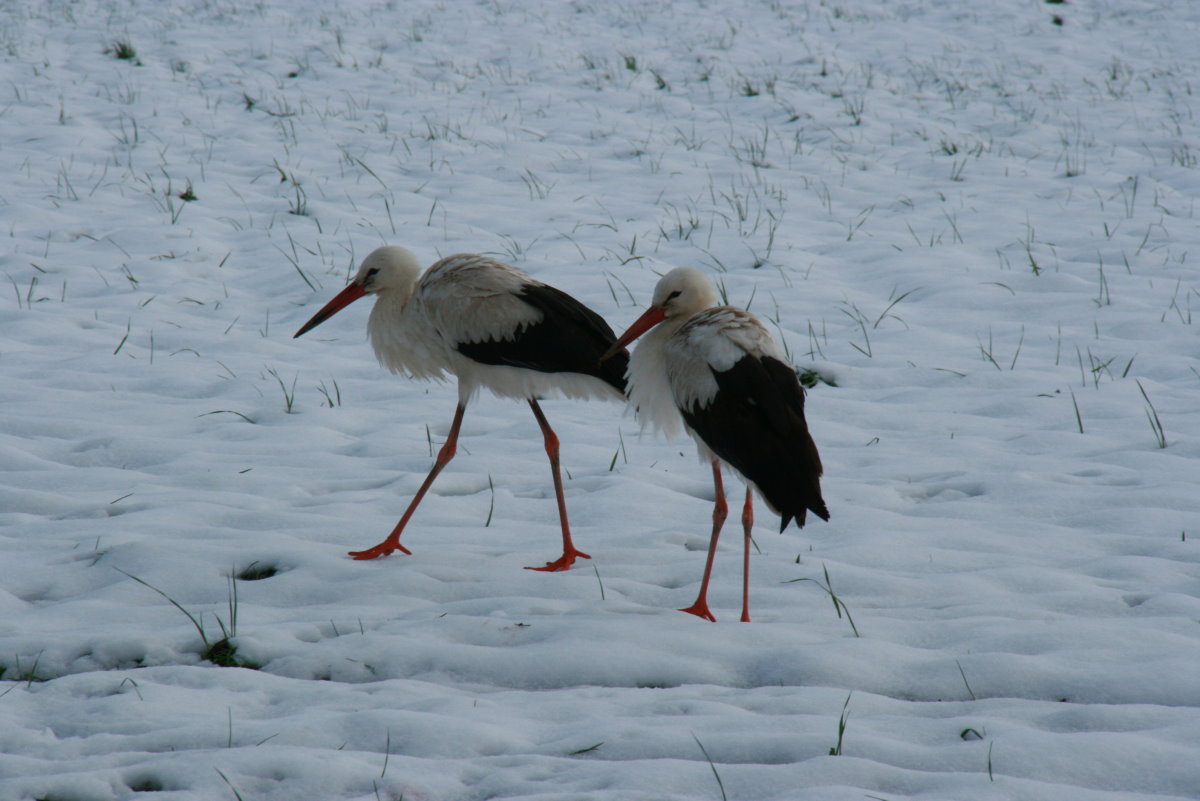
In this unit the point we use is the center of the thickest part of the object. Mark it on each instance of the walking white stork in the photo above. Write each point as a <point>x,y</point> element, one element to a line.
<point>493,326</point>
<point>718,371</point>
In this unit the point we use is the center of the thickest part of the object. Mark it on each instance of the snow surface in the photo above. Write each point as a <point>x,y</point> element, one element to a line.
<point>977,223</point>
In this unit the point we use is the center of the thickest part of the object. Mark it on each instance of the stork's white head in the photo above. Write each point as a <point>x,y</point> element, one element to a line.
<point>678,295</point>
<point>388,268</point>
<point>682,292</point>
<point>386,271</point>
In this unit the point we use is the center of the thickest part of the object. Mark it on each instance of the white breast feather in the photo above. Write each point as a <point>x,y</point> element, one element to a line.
<point>402,343</point>
<point>649,386</point>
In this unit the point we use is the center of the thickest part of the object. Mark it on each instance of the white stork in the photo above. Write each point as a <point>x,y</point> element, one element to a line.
<point>493,326</point>
<point>717,371</point>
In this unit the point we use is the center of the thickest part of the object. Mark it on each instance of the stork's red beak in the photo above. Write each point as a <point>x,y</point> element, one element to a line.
<point>650,318</point>
<point>340,301</point>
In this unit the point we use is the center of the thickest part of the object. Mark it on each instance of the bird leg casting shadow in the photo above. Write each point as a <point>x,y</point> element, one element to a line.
<point>445,454</point>
<point>570,553</point>
<point>720,511</point>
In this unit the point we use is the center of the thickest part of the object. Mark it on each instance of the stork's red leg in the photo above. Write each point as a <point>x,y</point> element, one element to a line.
<point>720,511</point>
<point>570,553</point>
<point>445,454</point>
<point>747,526</point>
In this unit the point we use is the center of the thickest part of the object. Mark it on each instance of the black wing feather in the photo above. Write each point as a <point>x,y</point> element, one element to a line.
<point>570,338</point>
<point>756,424</point>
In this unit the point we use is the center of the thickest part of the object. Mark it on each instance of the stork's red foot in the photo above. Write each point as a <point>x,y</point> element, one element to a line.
<point>700,609</point>
<point>382,549</point>
<point>563,562</point>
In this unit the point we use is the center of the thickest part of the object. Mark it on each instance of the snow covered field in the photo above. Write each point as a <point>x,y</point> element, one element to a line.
<point>977,225</point>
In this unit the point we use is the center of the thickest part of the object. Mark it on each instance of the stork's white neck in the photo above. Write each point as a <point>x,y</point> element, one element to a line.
<point>649,386</point>
<point>402,344</point>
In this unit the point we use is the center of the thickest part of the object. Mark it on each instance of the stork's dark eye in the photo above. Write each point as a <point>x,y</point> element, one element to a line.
<point>371,273</point>
<point>674,295</point>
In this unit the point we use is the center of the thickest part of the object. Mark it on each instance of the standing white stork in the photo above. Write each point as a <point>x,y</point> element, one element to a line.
<point>718,371</point>
<point>493,326</point>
